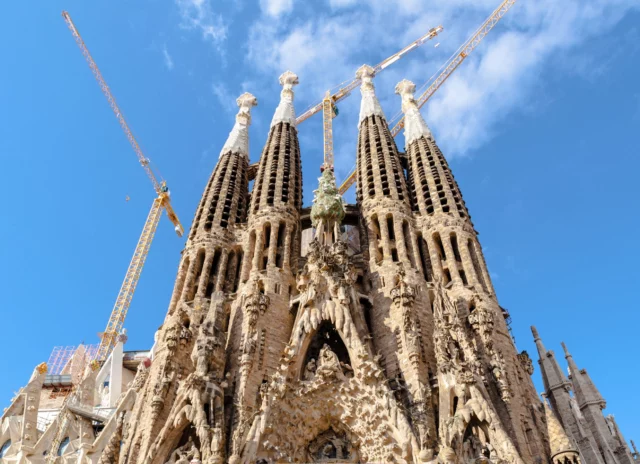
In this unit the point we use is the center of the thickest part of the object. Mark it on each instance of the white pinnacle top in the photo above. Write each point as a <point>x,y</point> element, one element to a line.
<point>414,124</point>
<point>285,111</point>
<point>238,140</point>
<point>369,104</point>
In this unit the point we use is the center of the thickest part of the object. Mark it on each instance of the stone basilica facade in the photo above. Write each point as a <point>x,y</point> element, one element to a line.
<point>336,333</point>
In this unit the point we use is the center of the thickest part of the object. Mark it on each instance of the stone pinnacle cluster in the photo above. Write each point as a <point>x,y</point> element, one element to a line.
<point>367,333</point>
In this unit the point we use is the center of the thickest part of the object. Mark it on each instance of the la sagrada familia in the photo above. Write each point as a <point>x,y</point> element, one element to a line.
<point>367,333</point>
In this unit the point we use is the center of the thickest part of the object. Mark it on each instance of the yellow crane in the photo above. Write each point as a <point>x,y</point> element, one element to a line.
<point>451,65</point>
<point>328,104</point>
<point>109,337</point>
<point>161,202</point>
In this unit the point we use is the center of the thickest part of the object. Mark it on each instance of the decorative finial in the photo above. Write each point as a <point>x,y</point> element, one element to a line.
<point>285,111</point>
<point>414,124</point>
<point>238,140</point>
<point>328,205</point>
<point>370,105</point>
<point>42,368</point>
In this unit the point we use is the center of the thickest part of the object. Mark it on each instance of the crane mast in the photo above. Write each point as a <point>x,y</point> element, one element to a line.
<point>162,201</point>
<point>452,64</point>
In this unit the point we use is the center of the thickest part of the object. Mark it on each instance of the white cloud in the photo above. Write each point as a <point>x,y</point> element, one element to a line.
<point>500,78</point>
<point>199,15</point>
<point>226,99</point>
<point>168,61</point>
<point>276,8</point>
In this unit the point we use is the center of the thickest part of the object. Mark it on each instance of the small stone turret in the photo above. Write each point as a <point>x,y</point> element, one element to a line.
<point>591,403</point>
<point>562,450</point>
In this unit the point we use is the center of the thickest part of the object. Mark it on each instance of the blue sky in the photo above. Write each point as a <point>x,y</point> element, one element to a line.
<point>540,126</point>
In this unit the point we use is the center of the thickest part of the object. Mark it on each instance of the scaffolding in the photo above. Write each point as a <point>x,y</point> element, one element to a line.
<point>65,359</point>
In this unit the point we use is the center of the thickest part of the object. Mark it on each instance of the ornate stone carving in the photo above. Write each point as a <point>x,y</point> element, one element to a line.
<point>526,362</point>
<point>255,302</point>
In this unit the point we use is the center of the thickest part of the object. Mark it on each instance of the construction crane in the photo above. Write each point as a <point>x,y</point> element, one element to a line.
<point>162,202</point>
<point>451,65</point>
<point>328,104</point>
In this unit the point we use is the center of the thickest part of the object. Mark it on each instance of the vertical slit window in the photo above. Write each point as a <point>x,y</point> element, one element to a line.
<point>236,279</point>
<point>408,242</point>
<point>454,245</point>
<point>476,264</point>
<point>280,246</point>
<point>439,246</point>
<point>423,247</point>
<point>213,271</point>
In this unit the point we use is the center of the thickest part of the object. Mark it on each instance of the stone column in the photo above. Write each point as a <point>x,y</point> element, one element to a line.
<point>257,253</point>
<point>467,264</point>
<point>273,244</point>
<point>191,275</point>
<point>288,236</point>
<point>232,272</point>
<point>416,250</point>
<point>401,246</point>
<point>204,277</point>
<point>222,270</point>
<point>451,258</point>
<point>436,262</point>
<point>384,236</point>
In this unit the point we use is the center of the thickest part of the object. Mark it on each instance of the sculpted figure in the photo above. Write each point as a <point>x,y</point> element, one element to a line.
<point>310,370</point>
<point>329,365</point>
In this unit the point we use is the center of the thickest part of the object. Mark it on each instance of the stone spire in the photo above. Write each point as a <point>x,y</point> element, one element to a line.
<point>561,446</point>
<point>542,351</point>
<point>557,390</point>
<point>369,105</point>
<point>285,111</point>
<point>279,177</point>
<point>238,140</point>
<point>591,403</point>
<point>584,388</point>
<point>414,124</point>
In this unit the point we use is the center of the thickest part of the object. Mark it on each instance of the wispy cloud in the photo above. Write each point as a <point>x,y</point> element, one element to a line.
<point>224,97</point>
<point>501,78</point>
<point>168,61</point>
<point>276,8</point>
<point>200,15</point>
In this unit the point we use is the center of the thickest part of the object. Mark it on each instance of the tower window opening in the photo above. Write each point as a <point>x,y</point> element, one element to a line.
<point>408,242</point>
<point>374,234</point>
<point>390,229</point>
<point>439,246</point>
<point>425,259</point>
<point>454,245</point>
<point>447,276</point>
<point>463,277</point>
<point>280,245</point>
<point>394,255</point>
<point>213,277</point>
<point>267,235</point>
<point>476,264</point>
<point>229,277</point>
<point>236,279</point>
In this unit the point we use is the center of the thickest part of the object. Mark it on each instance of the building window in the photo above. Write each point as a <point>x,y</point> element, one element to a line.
<point>63,446</point>
<point>5,448</point>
